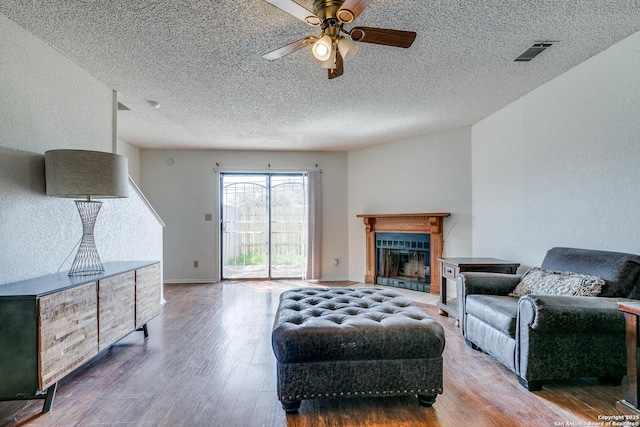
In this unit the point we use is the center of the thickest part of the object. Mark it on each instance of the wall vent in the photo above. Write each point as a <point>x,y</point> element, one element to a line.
<point>533,51</point>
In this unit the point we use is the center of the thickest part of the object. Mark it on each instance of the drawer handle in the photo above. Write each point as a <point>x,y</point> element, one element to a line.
<point>448,270</point>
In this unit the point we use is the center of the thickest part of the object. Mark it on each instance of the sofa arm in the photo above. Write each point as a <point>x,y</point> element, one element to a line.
<point>481,283</point>
<point>562,313</point>
<point>486,283</point>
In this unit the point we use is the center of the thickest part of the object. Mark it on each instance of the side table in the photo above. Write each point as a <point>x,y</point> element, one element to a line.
<point>451,267</point>
<point>629,405</point>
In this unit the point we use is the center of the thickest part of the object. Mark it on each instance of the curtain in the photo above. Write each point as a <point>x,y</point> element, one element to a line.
<point>314,244</point>
<point>216,218</point>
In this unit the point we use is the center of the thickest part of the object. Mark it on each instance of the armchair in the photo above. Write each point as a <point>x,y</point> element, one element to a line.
<point>550,337</point>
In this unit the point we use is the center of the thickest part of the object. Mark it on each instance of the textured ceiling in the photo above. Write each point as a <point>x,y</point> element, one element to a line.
<point>201,60</point>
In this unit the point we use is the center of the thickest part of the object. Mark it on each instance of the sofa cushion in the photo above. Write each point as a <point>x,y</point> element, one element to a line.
<point>498,311</point>
<point>540,281</point>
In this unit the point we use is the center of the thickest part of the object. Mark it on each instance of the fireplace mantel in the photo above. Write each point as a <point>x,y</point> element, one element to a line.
<point>429,223</point>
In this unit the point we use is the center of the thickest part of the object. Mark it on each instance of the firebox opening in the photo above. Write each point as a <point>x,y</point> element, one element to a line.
<point>403,260</point>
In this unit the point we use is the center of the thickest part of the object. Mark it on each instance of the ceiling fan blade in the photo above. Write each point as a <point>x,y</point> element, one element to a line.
<point>396,38</point>
<point>296,10</point>
<point>339,70</point>
<point>355,7</point>
<point>290,48</point>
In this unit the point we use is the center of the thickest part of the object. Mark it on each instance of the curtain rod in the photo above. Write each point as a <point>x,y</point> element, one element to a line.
<point>267,170</point>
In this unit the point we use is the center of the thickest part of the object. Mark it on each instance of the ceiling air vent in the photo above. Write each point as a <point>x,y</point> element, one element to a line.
<point>533,51</point>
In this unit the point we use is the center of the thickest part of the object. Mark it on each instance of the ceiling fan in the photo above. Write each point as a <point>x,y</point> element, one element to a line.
<point>335,43</point>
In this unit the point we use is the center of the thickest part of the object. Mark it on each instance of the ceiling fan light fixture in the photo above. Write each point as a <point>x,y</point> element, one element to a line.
<point>322,48</point>
<point>335,43</point>
<point>330,63</point>
<point>347,48</point>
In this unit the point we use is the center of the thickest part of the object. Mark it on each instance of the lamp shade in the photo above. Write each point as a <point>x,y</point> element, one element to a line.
<point>348,48</point>
<point>322,48</point>
<point>330,62</point>
<point>83,173</point>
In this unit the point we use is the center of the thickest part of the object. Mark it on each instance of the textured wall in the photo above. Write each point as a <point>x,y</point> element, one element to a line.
<point>47,102</point>
<point>426,174</point>
<point>559,167</point>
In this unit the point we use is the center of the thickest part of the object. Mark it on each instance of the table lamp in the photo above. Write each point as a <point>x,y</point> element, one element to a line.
<point>90,175</point>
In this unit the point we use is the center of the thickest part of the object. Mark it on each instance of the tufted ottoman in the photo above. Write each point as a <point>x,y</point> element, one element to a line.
<point>352,342</point>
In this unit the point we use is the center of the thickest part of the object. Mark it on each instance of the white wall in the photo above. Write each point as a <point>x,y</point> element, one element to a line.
<point>47,102</point>
<point>132,154</point>
<point>561,166</point>
<point>182,186</point>
<point>426,174</point>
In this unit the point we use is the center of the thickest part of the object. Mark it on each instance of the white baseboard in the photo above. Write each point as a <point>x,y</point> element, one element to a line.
<point>192,281</point>
<point>335,279</point>
<point>189,281</point>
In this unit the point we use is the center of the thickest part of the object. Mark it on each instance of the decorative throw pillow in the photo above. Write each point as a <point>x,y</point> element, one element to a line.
<point>548,282</point>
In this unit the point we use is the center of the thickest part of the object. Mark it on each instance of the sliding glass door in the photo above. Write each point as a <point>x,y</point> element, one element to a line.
<point>264,226</point>
<point>245,226</point>
<point>288,241</point>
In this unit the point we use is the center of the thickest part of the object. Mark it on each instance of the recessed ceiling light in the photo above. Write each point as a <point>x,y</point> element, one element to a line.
<point>533,51</point>
<point>153,104</point>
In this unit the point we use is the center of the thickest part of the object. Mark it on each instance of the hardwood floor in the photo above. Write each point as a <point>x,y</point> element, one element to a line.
<point>208,362</point>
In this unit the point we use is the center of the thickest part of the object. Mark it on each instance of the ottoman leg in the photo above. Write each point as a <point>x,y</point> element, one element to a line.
<point>426,399</point>
<point>291,406</point>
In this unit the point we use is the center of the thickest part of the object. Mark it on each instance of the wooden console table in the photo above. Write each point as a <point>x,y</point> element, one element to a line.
<point>452,267</point>
<point>51,325</point>
<point>629,405</point>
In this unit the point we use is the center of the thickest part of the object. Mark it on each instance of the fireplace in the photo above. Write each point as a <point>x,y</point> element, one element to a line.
<point>406,259</point>
<point>403,260</point>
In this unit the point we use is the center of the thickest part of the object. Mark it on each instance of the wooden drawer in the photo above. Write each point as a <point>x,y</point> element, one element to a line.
<point>449,271</point>
<point>116,308</point>
<point>148,288</point>
<point>68,331</point>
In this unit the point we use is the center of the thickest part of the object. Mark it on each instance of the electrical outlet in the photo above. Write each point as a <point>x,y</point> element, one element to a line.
<point>195,264</point>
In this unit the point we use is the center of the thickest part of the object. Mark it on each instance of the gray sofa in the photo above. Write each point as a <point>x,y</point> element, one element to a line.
<point>550,337</point>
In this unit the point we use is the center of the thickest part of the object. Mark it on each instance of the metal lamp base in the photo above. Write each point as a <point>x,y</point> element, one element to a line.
<point>87,260</point>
